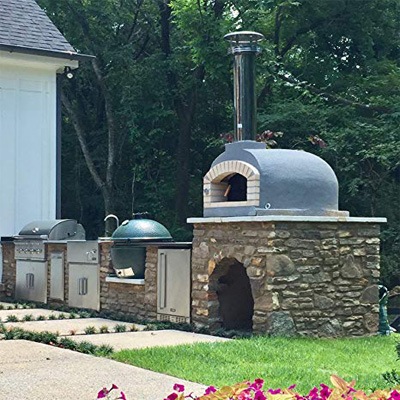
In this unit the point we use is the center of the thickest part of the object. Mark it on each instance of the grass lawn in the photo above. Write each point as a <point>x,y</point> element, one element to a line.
<point>280,362</point>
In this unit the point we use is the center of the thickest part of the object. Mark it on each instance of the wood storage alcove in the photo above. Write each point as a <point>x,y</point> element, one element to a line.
<point>230,283</point>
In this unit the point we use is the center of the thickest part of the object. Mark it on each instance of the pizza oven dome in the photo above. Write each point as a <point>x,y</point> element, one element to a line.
<point>248,179</point>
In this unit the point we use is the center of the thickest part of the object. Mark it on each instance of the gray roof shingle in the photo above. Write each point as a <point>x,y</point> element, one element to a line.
<point>24,25</point>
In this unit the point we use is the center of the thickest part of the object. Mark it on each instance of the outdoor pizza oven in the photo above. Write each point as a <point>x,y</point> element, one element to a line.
<point>128,253</point>
<point>248,179</point>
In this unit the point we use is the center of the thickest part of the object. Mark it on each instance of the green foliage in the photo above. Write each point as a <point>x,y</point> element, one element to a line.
<point>86,348</point>
<point>53,339</point>
<point>28,317</point>
<point>12,318</point>
<point>104,329</point>
<point>120,328</point>
<point>84,314</point>
<point>90,330</point>
<point>392,378</point>
<point>328,68</point>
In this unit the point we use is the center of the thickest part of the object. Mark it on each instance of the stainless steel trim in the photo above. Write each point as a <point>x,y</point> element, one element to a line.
<point>163,280</point>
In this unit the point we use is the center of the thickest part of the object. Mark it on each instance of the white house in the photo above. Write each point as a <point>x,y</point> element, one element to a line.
<point>33,57</point>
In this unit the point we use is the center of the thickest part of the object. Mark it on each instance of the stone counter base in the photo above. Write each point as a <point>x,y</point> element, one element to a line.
<point>311,279</point>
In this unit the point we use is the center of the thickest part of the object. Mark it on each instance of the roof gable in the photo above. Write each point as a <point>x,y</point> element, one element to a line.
<point>24,25</point>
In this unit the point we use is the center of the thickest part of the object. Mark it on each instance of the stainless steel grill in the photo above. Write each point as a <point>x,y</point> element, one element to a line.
<point>31,255</point>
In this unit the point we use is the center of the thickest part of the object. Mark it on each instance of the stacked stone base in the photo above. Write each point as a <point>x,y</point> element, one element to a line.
<point>307,278</point>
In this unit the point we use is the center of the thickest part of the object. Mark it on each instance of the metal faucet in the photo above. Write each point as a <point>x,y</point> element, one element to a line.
<point>112,216</point>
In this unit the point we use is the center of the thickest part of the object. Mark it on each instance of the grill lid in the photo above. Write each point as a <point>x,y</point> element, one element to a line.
<point>141,229</point>
<point>56,229</point>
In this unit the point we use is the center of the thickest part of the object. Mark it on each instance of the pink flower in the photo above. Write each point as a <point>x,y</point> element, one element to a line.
<point>394,395</point>
<point>257,384</point>
<point>325,391</point>
<point>102,394</point>
<point>275,391</point>
<point>259,395</point>
<point>291,387</point>
<point>212,389</point>
<point>122,397</point>
<point>313,395</point>
<point>172,396</point>
<point>178,387</point>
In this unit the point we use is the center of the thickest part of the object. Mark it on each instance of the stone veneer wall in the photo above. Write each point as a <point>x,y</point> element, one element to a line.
<point>9,270</point>
<point>314,279</point>
<point>131,299</point>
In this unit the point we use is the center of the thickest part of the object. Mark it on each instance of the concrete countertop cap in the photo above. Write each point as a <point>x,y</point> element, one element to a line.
<point>284,218</point>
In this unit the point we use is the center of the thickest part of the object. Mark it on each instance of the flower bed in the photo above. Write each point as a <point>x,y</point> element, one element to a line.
<point>340,390</point>
<point>255,391</point>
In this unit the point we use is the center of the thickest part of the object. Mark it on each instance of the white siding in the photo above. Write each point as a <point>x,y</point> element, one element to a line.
<point>27,146</point>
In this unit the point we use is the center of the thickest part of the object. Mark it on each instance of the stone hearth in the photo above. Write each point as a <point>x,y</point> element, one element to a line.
<point>314,276</point>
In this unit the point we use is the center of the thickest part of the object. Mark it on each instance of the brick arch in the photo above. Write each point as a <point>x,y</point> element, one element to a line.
<point>214,188</point>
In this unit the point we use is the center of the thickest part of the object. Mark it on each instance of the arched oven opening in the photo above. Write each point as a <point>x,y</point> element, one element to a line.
<point>237,188</point>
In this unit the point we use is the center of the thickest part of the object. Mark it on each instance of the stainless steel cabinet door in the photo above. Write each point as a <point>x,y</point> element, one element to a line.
<point>31,281</point>
<point>84,286</point>
<point>173,278</point>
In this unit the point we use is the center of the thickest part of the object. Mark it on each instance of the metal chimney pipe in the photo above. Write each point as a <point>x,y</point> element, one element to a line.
<point>244,47</point>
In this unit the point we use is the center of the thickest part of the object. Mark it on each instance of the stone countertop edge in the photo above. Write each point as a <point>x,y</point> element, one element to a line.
<point>124,280</point>
<point>284,218</point>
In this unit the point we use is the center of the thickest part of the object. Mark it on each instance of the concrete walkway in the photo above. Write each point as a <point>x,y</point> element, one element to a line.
<point>30,370</point>
<point>36,371</point>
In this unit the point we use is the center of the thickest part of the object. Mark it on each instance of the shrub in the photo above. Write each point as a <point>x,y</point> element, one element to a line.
<point>104,350</point>
<point>120,328</point>
<point>28,317</point>
<point>84,314</point>
<point>104,329</point>
<point>12,318</point>
<point>133,328</point>
<point>86,347</point>
<point>67,343</point>
<point>54,340</point>
<point>90,330</point>
<point>40,318</point>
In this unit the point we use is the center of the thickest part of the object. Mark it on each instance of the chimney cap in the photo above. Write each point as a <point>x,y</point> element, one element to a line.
<point>244,41</point>
<point>244,37</point>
